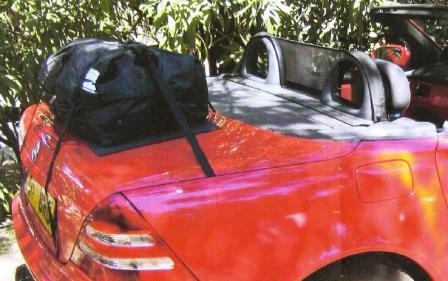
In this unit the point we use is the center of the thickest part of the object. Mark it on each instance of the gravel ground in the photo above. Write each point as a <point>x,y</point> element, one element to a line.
<point>10,256</point>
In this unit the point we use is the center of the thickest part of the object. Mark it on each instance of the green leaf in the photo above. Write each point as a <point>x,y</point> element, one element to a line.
<point>269,26</point>
<point>6,207</point>
<point>161,9</point>
<point>171,26</point>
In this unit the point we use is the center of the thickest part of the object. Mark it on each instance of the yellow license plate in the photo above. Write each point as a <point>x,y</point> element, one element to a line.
<point>42,203</point>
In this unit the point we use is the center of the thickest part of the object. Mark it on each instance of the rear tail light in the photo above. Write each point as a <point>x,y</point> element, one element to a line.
<point>161,263</point>
<point>117,243</point>
<point>120,240</point>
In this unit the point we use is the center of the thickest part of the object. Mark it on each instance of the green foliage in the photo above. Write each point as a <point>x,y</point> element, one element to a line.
<point>9,182</point>
<point>342,25</point>
<point>218,30</point>
<point>214,30</point>
<point>6,194</point>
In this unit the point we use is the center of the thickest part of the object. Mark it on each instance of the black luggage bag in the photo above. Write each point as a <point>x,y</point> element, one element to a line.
<point>106,93</point>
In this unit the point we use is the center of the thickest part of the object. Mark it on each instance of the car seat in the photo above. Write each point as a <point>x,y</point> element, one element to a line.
<point>396,86</point>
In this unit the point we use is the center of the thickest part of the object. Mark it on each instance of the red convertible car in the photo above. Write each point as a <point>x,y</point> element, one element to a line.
<point>329,166</point>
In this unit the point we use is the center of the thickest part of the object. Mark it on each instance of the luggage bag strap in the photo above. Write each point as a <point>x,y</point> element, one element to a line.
<point>180,118</point>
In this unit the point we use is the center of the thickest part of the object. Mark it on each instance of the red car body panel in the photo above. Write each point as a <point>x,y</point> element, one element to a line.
<point>87,179</point>
<point>285,223</point>
<point>259,216</point>
<point>45,266</point>
<point>41,261</point>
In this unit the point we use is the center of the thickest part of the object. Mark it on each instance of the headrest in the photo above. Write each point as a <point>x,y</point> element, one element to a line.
<point>367,99</point>
<point>396,84</point>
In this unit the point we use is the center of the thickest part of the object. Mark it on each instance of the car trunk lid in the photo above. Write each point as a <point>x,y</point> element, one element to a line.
<point>81,179</point>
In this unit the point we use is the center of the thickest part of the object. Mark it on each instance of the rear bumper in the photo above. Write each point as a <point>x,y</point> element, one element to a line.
<point>42,264</point>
